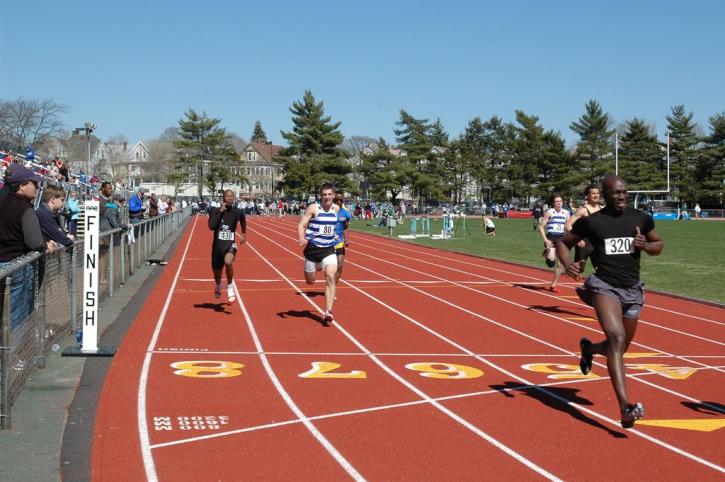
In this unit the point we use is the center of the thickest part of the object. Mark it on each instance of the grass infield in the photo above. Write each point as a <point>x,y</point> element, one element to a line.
<point>692,263</point>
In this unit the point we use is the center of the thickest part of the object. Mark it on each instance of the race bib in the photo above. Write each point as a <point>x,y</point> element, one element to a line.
<point>226,235</point>
<point>327,229</point>
<point>619,246</point>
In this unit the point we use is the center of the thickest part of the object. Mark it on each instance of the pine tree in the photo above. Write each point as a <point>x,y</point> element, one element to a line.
<point>595,149</point>
<point>313,156</point>
<point>258,135</point>
<point>438,134</point>
<point>710,168</point>
<point>414,139</point>
<point>528,148</point>
<point>385,173</point>
<point>683,139</point>
<point>487,149</point>
<point>200,138</point>
<point>641,157</point>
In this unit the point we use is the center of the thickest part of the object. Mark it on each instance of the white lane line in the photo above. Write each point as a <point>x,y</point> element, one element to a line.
<point>315,353</point>
<point>482,266</point>
<point>523,380</point>
<point>504,448</point>
<point>339,458</point>
<point>143,430</point>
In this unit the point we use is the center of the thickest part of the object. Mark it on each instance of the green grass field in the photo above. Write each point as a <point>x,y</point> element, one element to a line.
<point>692,263</point>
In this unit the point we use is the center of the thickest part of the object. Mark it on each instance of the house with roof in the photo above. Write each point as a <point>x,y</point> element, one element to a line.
<point>261,170</point>
<point>126,162</point>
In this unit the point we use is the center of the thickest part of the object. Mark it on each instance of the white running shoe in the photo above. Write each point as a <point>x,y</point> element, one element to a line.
<point>327,318</point>
<point>230,293</point>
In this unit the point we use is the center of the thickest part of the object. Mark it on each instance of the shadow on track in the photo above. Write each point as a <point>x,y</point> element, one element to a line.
<point>565,393</point>
<point>218,307</point>
<point>311,294</point>
<point>709,408</point>
<point>302,314</point>
<point>556,310</point>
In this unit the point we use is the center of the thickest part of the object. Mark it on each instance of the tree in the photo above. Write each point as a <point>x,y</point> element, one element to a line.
<point>683,139</point>
<point>258,135</point>
<point>414,140</point>
<point>488,147</point>
<point>200,136</point>
<point>710,167</point>
<point>438,134</point>
<point>528,148</point>
<point>385,172</point>
<point>313,156</point>
<point>26,122</point>
<point>640,157</point>
<point>595,150</point>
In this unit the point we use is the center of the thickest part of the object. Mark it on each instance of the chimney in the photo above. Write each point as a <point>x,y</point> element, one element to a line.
<point>125,146</point>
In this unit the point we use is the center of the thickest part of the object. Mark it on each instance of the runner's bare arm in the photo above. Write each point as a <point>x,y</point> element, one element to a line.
<point>304,221</point>
<point>563,252</point>
<point>542,230</point>
<point>572,219</point>
<point>243,228</point>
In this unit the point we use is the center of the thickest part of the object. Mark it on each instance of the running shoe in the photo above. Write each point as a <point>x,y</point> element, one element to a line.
<point>555,289</point>
<point>327,318</point>
<point>218,291</point>
<point>630,413</point>
<point>230,293</point>
<point>585,362</point>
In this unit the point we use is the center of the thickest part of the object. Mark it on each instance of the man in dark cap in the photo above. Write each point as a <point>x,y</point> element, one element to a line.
<point>20,234</point>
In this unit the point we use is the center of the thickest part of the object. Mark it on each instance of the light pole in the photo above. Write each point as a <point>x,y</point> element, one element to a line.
<point>88,128</point>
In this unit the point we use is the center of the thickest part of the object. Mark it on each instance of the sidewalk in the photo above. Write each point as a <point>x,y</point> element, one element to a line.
<point>31,450</point>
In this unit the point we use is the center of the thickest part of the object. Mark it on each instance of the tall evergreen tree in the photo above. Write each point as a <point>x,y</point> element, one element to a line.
<point>488,147</point>
<point>683,154</point>
<point>555,167</point>
<point>385,173</point>
<point>413,137</point>
<point>710,168</point>
<point>438,134</point>
<point>595,149</point>
<point>313,156</point>
<point>523,171</point>
<point>258,135</point>
<point>641,157</point>
<point>200,137</point>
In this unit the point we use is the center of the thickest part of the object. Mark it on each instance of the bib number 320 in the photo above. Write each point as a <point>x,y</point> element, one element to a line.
<point>619,246</point>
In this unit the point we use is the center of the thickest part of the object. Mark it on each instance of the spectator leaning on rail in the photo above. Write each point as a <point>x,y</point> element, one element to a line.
<point>135,208</point>
<point>51,204</point>
<point>20,234</point>
<point>74,208</point>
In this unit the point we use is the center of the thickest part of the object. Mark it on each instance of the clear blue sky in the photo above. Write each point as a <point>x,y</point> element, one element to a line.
<point>133,67</point>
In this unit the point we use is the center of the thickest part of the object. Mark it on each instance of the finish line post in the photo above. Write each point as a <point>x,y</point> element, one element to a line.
<point>91,258</point>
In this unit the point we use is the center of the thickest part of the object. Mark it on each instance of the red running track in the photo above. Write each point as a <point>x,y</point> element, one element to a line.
<point>439,366</point>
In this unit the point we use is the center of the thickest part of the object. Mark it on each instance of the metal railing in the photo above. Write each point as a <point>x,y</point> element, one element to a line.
<point>41,297</point>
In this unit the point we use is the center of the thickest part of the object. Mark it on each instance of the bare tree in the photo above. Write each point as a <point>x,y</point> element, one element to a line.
<point>354,147</point>
<point>162,156</point>
<point>170,134</point>
<point>237,141</point>
<point>30,121</point>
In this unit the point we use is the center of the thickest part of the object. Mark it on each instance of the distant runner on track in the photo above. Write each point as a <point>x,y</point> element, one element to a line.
<point>342,235</point>
<point>583,248</point>
<point>223,221</point>
<point>316,234</point>
<point>618,235</point>
<point>552,229</point>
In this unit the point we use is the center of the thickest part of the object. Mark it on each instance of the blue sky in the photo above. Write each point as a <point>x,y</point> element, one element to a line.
<point>134,67</point>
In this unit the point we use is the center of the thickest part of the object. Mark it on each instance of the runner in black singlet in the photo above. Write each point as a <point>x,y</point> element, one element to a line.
<point>223,221</point>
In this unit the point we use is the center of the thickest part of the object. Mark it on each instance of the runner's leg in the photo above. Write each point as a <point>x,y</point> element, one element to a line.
<point>330,272</point>
<point>609,313</point>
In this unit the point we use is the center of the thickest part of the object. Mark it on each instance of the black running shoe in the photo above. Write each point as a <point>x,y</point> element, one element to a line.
<point>327,318</point>
<point>630,413</point>
<point>585,362</point>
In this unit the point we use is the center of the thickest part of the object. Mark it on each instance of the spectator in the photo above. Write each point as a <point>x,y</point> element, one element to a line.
<point>698,210</point>
<point>51,204</point>
<point>153,206</point>
<point>162,205</point>
<point>74,209</point>
<point>20,234</point>
<point>64,172</point>
<point>135,208</point>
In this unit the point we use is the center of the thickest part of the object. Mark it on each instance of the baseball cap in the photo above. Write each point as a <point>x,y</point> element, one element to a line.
<point>17,174</point>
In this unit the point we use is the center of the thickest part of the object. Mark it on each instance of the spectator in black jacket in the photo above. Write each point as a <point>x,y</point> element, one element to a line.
<point>20,234</point>
<point>51,204</point>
